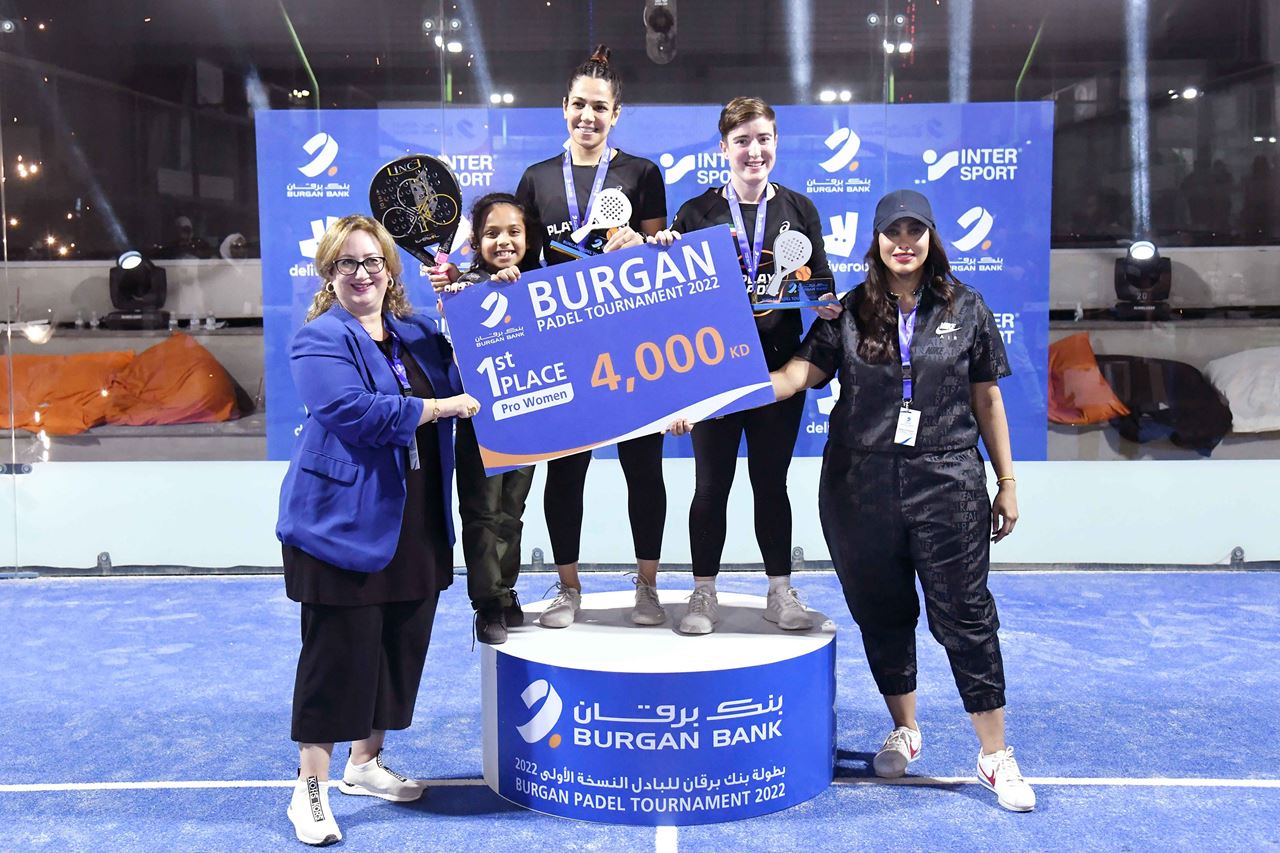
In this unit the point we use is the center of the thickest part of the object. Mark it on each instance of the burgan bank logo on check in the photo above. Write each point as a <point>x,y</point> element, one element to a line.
<point>496,304</point>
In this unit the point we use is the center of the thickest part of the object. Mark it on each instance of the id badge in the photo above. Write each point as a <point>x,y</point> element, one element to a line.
<point>908,426</point>
<point>414,462</point>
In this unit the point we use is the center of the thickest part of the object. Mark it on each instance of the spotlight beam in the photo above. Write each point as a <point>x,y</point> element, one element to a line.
<point>960,22</point>
<point>1135,24</point>
<point>799,27</point>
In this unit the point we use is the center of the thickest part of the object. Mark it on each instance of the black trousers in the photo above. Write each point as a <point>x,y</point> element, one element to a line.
<point>771,439</point>
<point>492,509</point>
<point>641,460</point>
<point>890,518</point>
<point>359,669</point>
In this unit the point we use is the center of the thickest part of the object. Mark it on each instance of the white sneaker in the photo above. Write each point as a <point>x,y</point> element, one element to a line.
<point>648,610</point>
<point>783,607</point>
<point>901,747</point>
<point>375,779</point>
<point>313,823</point>
<point>703,612</point>
<point>563,610</point>
<point>999,772</point>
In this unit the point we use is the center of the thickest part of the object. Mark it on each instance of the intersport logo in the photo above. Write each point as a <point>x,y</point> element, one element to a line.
<point>979,221</point>
<point>974,164</point>
<point>546,717</point>
<point>496,304</point>
<point>325,150</point>
<point>707,167</point>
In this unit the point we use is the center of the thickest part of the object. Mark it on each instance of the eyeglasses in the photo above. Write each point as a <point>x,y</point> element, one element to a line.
<point>348,266</point>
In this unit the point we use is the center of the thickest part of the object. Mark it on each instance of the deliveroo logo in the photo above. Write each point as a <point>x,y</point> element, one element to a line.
<point>546,717</point>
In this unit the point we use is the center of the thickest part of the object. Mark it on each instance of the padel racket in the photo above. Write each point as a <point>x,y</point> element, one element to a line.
<point>611,210</point>
<point>791,251</point>
<point>417,199</point>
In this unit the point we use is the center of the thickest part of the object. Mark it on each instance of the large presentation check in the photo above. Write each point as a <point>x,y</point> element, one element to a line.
<point>608,348</point>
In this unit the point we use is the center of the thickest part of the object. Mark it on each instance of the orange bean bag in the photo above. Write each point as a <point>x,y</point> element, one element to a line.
<point>1078,392</point>
<point>60,394</point>
<point>174,382</point>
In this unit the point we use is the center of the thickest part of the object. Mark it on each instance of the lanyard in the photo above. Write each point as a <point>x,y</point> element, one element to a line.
<point>571,192</point>
<point>402,377</point>
<point>750,254</point>
<point>906,332</point>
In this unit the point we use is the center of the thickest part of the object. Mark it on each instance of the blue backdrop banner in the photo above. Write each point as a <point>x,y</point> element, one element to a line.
<point>607,348</point>
<point>987,168</point>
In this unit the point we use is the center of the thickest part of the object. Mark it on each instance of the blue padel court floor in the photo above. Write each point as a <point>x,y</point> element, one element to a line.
<point>153,714</point>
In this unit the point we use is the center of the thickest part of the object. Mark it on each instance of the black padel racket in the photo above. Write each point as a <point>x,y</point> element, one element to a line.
<point>418,200</point>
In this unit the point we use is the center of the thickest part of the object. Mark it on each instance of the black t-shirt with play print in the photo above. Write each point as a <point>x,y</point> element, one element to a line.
<point>950,351</point>
<point>541,190</point>
<point>780,329</point>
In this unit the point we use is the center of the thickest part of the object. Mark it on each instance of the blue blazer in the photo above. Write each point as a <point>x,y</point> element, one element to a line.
<point>342,499</point>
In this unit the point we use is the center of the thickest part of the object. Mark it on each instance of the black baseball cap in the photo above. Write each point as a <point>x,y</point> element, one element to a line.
<point>903,204</point>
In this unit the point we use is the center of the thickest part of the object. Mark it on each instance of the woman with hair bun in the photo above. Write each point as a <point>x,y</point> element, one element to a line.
<point>592,105</point>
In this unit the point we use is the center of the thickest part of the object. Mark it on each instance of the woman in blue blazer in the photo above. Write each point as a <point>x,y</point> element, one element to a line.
<point>365,516</point>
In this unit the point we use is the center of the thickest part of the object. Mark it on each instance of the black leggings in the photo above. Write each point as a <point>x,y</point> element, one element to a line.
<point>641,460</point>
<point>771,439</point>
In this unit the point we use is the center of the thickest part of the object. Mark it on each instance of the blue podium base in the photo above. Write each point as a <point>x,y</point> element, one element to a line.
<point>612,722</point>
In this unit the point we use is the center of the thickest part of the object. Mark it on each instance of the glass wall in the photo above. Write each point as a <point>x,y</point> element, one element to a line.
<point>136,126</point>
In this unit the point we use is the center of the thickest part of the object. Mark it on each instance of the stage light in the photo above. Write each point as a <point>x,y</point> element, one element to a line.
<point>899,20</point>
<point>846,96</point>
<point>1143,280</point>
<point>495,98</point>
<point>890,47</point>
<point>428,25</point>
<point>873,20</point>
<point>455,24</point>
<point>1258,139</point>
<point>454,47</point>
<point>138,291</point>
<point>7,26</point>
<point>1191,93</point>
<point>13,220</point>
<point>1271,139</point>
<point>660,30</point>
<point>508,98</point>
<point>826,96</point>
<point>904,47</point>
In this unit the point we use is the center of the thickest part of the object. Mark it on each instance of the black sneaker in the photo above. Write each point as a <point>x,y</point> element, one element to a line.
<point>489,628</point>
<point>512,613</point>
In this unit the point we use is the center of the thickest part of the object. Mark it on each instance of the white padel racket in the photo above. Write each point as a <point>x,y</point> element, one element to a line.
<point>791,251</point>
<point>611,210</point>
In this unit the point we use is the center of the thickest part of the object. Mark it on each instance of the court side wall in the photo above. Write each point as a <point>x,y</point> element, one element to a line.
<point>219,514</point>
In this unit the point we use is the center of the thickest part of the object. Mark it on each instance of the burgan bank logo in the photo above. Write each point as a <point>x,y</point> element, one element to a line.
<point>496,304</point>
<point>325,149</point>
<point>974,164</point>
<point>844,143</point>
<point>546,717</point>
<point>974,243</point>
<point>708,167</point>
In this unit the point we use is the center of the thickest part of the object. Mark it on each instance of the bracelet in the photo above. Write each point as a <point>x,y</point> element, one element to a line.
<point>435,410</point>
<point>1010,479</point>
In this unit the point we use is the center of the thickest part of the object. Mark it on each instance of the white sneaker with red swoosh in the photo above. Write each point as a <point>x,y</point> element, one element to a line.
<point>901,747</point>
<point>999,772</point>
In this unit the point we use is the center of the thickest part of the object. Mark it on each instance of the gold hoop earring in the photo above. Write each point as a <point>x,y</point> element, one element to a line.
<point>328,287</point>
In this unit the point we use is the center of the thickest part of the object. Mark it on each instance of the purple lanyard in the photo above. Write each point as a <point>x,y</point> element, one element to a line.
<point>906,332</point>
<point>571,192</point>
<point>396,365</point>
<point>750,254</point>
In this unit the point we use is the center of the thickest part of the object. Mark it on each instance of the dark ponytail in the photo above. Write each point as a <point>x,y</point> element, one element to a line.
<point>598,67</point>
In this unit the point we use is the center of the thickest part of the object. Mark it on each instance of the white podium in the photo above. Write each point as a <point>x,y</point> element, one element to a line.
<point>617,723</point>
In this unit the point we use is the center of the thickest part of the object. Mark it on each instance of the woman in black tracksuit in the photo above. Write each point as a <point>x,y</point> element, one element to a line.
<point>759,211</point>
<point>592,105</point>
<point>903,491</point>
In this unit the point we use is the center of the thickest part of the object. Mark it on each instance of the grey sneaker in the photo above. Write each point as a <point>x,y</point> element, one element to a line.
<point>309,813</point>
<point>648,610</point>
<point>375,779</point>
<point>783,607</point>
<point>703,612</point>
<point>563,610</point>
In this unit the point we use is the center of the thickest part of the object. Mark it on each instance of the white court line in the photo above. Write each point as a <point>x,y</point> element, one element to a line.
<point>1080,781</point>
<point>665,840</point>
<point>926,781</point>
